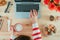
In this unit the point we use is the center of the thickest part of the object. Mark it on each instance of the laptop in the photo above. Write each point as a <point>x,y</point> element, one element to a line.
<point>23,7</point>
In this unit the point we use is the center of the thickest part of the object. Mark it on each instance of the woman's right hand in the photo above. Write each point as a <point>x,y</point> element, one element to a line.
<point>33,15</point>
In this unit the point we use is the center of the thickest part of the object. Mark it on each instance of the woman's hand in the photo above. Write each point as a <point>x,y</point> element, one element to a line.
<point>33,15</point>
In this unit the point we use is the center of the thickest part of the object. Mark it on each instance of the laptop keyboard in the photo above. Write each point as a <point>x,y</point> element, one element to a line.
<point>26,7</point>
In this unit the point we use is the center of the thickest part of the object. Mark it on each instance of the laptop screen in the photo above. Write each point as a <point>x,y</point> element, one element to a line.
<point>27,0</point>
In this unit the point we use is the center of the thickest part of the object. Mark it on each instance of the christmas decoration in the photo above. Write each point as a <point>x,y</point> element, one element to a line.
<point>53,4</point>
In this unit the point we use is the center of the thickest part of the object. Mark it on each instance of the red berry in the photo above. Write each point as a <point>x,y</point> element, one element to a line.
<point>56,1</point>
<point>46,2</point>
<point>51,6</point>
<point>58,8</point>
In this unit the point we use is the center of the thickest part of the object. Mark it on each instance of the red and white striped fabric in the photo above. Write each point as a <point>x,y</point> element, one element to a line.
<point>36,32</point>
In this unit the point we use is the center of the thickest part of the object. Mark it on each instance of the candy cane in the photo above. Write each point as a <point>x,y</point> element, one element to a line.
<point>11,29</point>
<point>36,32</point>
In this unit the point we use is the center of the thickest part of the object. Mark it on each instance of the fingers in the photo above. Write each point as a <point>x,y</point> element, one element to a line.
<point>33,13</point>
